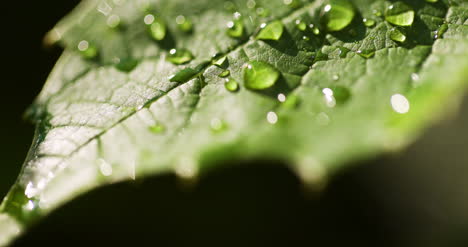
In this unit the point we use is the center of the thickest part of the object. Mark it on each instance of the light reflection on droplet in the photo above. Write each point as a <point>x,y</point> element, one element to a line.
<point>415,77</point>
<point>312,172</point>
<point>105,168</point>
<point>186,168</point>
<point>327,8</point>
<point>83,45</point>
<point>30,190</point>
<point>281,97</point>
<point>30,205</point>
<point>113,21</point>
<point>400,103</point>
<point>329,98</point>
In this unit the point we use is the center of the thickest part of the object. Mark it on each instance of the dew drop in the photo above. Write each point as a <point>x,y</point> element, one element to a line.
<point>281,98</point>
<point>236,26</point>
<point>431,1</point>
<point>397,35</point>
<point>157,128</point>
<point>217,125</point>
<point>251,4</point>
<point>105,168</point>
<point>272,117</point>
<point>224,74</point>
<point>400,103</point>
<point>343,51</point>
<point>338,14</point>
<point>231,85</point>
<point>113,21</point>
<point>377,13</point>
<point>368,53</point>
<point>156,27</point>
<point>368,22</point>
<point>87,50</point>
<point>271,31</point>
<point>221,62</point>
<point>399,14</point>
<point>302,26</point>
<point>335,77</point>
<point>126,64</point>
<point>292,3</point>
<point>179,56</point>
<point>184,24</point>
<point>183,75</point>
<point>260,75</point>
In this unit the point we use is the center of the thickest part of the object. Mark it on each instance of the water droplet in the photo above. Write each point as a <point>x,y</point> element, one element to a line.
<point>29,206</point>
<point>292,3</point>
<point>400,103</point>
<point>329,98</point>
<point>341,94</point>
<point>343,51</point>
<point>221,62</point>
<point>397,35</point>
<point>281,98</point>
<point>260,75</point>
<point>126,64</point>
<point>183,75</point>
<point>368,22</point>
<point>272,31</point>
<point>272,118</point>
<point>184,24</point>
<point>231,85</point>
<point>217,125</point>
<point>236,26</point>
<point>368,53</point>
<point>105,168</point>
<point>156,27</point>
<point>225,73</point>
<point>377,13</point>
<point>301,25</point>
<point>87,50</point>
<point>431,1</point>
<point>157,128</point>
<point>262,12</point>
<point>399,14</point>
<point>335,77</point>
<point>442,29</point>
<point>179,56</point>
<point>415,77</point>
<point>251,4</point>
<point>113,21</point>
<point>338,14</point>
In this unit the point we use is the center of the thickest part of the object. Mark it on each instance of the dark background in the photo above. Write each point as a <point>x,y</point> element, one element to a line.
<point>415,198</point>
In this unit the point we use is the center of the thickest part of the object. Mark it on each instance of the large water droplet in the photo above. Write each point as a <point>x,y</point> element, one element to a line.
<point>184,24</point>
<point>231,85</point>
<point>156,27</point>
<point>87,50</point>
<point>126,64</point>
<point>397,35</point>
<point>366,53</point>
<point>271,31</point>
<point>400,103</point>
<point>260,75</point>
<point>183,75</point>
<point>399,14</point>
<point>338,14</point>
<point>179,56</point>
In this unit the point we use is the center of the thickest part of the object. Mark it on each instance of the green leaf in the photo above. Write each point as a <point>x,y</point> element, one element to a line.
<point>339,96</point>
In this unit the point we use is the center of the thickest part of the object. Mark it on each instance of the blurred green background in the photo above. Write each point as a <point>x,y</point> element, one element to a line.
<point>418,197</point>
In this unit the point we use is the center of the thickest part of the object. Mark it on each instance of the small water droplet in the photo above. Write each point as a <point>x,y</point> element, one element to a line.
<point>338,14</point>
<point>292,3</point>
<point>335,77</point>
<point>251,4</point>
<point>221,62</point>
<point>224,74</point>
<point>397,35</point>
<point>272,31</point>
<point>272,118</point>
<point>217,125</point>
<point>180,56</point>
<point>281,98</point>
<point>262,12</point>
<point>400,103</point>
<point>113,21</point>
<point>87,50</point>
<point>343,51</point>
<point>305,38</point>
<point>377,13</point>
<point>399,14</point>
<point>183,75</point>
<point>368,22</point>
<point>157,128</point>
<point>301,25</point>
<point>184,24</point>
<point>235,28</point>
<point>231,85</point>
<point>105,168</point>
<point>415,77</point>
<point>431,1</point>
<point>260,75</point>
<point>156,27</point>
<point>368,53</point>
